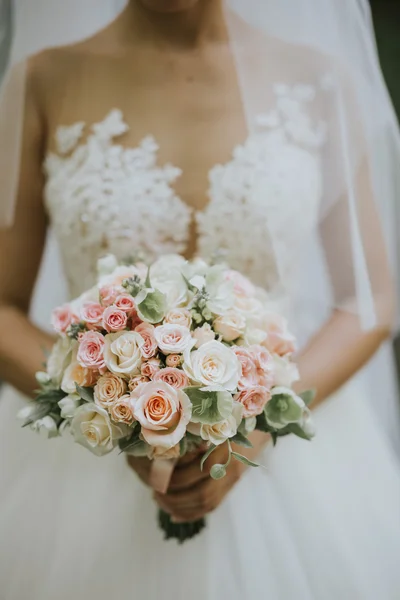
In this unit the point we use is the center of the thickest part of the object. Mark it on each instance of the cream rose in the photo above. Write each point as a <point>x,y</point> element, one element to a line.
<point>219,432</point>
<point>163,413</point>
<point>122,352</point>
<point>179,316</point>
<point>109,389</point>
<point>92,428</point>
<point>230,326</point>
<point>203,334</point>
<point>213,364</point>
<point>121,411</point>
<point>173,339</point>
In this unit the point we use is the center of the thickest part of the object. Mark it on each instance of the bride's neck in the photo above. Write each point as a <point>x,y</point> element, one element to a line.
<point>201,24</point>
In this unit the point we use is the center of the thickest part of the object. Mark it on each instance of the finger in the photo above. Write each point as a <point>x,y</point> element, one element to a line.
<point>194,497</point>
<point>188,458</point>
<point>187,477</point>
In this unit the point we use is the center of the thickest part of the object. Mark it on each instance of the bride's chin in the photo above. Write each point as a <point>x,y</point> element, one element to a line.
<point>168,6</point>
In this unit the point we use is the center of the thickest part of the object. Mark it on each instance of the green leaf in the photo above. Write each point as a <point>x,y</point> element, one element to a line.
<point>241,440</point>
<point>147,283</point>
<point>308,396</point>
<point>262,423</point>
<point>207,454</point>
<point>86,393</point>
<point>244,460</point>
<point>52,396</point>
<point>295,429</point>
<point>274,437</point>
<point>153,308</point>
<point>218,471</point>
<point>209,407</point>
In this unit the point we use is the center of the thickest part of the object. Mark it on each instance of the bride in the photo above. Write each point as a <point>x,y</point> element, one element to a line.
<point>198,126</point>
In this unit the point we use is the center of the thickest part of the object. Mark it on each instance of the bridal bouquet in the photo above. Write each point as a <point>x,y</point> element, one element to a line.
<point>161,360</point>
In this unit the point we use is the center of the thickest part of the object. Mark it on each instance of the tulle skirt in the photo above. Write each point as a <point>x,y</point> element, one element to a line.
<point>320,521</point>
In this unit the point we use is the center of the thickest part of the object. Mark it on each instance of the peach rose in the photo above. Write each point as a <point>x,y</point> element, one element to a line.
<point>109,389</point>
<point>92,314</point>
<point>179,316</point>
<point>279,340</point>
<point>114,319</point>
<point>62,317</point>
<point>203,334</point>
<point>253,400</point>
<point>150,367</point>
<point>173,339</point>
<point>136,381</point>
<point>163,413</point>
<point>121,411</point>
<point>173,360</point>
<point>249,377</point>
<point>126,303</point>
<point>149,348</point>
<point>91,350</point>
<point>108,294</point>
<point>174,377</point>
<point>76,374</point>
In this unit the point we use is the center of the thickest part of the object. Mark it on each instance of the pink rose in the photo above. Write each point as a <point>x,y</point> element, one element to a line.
<point>121,411</point>
<point>136,381</point>
<point>91,350</point>
<point>163,413</point>
<point>109,294</point>
<point>150,367</point>
<point>62,317</point>
<point>114,319</point>
<point>149,348</point>
<point>126,303</point>
<point>265,364</point>
<point>109,389</point>
<point>279,340</point>
<point>174,377</point>
<point>250,375</point>
<point>173,360</point>
<point>92,314</point>
<point>253,400</point>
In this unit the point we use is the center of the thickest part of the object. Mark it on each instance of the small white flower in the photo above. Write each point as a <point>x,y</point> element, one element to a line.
<point>42,377</point>
<point>59,359</point>
<point>27,412</point>
<point>69,405</point>
<point>46,426</point>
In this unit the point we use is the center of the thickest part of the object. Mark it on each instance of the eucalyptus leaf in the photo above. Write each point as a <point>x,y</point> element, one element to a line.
<point>207,454</point>
<point>241,440</point>
<point>218,471</point>
<point>50,396</point>
<point>244,460</point>
<point>308,396</point>
<point>86,393</point>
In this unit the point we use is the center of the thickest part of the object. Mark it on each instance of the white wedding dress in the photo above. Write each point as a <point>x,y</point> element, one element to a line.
<point>321,521</point>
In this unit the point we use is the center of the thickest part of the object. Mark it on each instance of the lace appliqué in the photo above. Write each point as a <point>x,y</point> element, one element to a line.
<point>265,201</point>
<point>106,198</point>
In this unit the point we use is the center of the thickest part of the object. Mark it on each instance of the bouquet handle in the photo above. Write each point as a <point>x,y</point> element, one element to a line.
<point>160,474</point>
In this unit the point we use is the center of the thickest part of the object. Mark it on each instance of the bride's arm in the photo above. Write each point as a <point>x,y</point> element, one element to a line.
<point>21,343</point>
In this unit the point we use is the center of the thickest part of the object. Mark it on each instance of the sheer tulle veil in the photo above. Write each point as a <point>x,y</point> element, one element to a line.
<point>352,113</point>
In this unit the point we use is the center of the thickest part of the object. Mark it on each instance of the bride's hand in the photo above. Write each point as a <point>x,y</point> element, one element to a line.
<point>142,465</point>
<point>192,493</point>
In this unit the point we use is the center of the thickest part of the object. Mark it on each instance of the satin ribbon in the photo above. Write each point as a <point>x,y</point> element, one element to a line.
<point>160,474</point>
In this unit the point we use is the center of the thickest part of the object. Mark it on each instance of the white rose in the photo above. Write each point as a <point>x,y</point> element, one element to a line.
<point>213,364</point>
<point>122,353</point>
<point>59,358</point>
<point>203,334</point>
<point>69,405</point>
<point>46,426</point>
<point>219,432</point>
<point>92,428</point>
<point>173,339</point>
<point>231,325</point>
<point>254,336</point>
<point>220,290</point>
<point>166,276</point>
<point>285,371</point>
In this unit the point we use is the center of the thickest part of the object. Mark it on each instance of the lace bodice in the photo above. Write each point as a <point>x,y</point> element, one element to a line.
<point>103,197</point>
